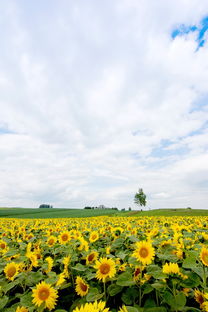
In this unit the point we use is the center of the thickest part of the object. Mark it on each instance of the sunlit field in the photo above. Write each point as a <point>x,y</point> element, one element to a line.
<point>104,264</point>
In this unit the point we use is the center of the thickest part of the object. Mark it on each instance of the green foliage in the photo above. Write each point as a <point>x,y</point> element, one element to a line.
<point>140,198</point>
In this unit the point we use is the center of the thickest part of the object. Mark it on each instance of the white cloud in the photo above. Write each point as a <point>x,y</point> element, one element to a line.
<point>88,91</point>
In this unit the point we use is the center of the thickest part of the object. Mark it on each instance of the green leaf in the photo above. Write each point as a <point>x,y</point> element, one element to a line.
<point>26,300</point>
<point>3,302</point>
<point>132,309</point>
<point>114,289</point>
<point>147,289</point>
<point>126,298</point>
<point>159,275</point>
<point>190,309</point>
<point>189,263</point>
<point>177,303</point>
<point>199,271</point>
<point>133,239</point>
<point>121,255</point>
<point>158,285</point>
<point>94,295</point>
<point>125,279</point>
<point>156,272</point>
<point>9,286</point>
<point>149,303</point>
<point>167,256</point>
<point>79,267</point>
<point>168,297</point>
<point>33,278</point>
<point>180,300</point>
<point>129,296</point>
<point>192,281</point>
<point>155,309</point>
<point>118,243</point>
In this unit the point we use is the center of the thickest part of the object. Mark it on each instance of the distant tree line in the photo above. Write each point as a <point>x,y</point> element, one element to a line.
<point>100,207</point>
<point>45,206</point>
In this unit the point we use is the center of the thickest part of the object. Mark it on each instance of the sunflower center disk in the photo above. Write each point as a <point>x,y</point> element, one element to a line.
<point>64,237</point>
<point>43,295</point>
<point>91,257</point>
<point>2,246</point>
<point>11,271</point>
<point>83,287</point>
<point>105,268</point>
<point>143,252</point>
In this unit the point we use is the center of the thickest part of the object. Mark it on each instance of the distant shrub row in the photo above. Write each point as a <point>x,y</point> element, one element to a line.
<point>89,207</point>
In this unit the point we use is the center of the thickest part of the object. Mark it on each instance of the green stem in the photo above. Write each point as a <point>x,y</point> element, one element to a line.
<point>157,301</point>
<point>104,286</point>
<point>204,277</point>
<point>140,296</point>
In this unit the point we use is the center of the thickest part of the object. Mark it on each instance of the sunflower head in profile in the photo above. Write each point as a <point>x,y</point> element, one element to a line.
<point>171,268</point>
<point>92,307</point>
<point>11,270</point>
<point>91,257</point>
<point>94,236</point>
<point>21,309</point>
<point>106,268</point>
<point>51,240</point>
<point>144,252</point>
<point>123,309</point>
<point>204,256</point>
<point>44,293</point>
<point>64,237</point>
<point>81,286</point>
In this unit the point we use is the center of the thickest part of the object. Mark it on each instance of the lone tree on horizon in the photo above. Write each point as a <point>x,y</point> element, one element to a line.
<point>140,198</point>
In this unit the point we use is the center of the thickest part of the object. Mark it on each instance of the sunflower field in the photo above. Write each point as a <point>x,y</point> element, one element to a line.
<point>101,264</point>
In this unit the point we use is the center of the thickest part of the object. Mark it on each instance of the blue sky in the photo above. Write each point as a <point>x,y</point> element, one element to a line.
<point>99,99</point>
<point>201,30</point>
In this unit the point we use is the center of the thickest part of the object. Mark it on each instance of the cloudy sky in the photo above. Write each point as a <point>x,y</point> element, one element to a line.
<point>100,98</point>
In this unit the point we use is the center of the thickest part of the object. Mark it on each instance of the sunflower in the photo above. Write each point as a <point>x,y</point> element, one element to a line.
<point>171,268</point>
<point>64,237</point>
<point>21,309</point>
<point>123,309</point>
<point>11,270</point>
<point>51,240</point>
<point>44,293</point>
<point>3,246</point>
<point>92,307</point>
<point>91,257</point>
<point>83,244</point>
<point>81,286</point>
<point>199,296</point>
<point>66,260</point>
<point>61,279</point>
<point>186,291</point>
<point>49,263</point>
<point>33,258</point>
<point>204,256</point>
<point>105,268</point>
<point>138,273</point>
<point>144,252</point>
<point>94,236</point>
<point>204,306</point>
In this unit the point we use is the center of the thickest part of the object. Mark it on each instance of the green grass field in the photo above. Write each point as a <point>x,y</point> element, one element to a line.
<point>81,213</point>
<point>170,212</point>
<point>53,213</point>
